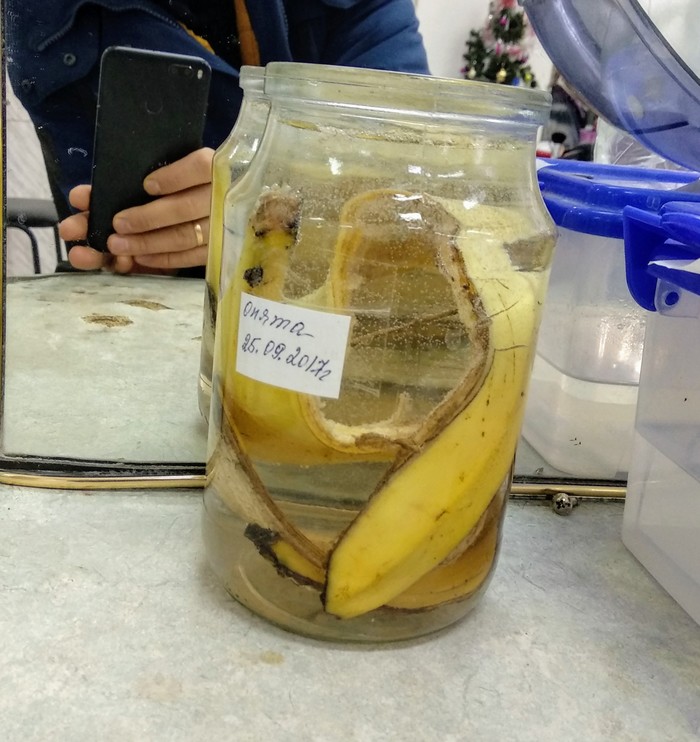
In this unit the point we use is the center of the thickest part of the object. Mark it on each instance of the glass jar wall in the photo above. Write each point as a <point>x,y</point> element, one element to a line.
<point>385,259</point>
<point>231,160</point>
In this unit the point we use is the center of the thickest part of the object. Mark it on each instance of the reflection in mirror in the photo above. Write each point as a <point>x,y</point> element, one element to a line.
<point>103,367</point>
<point>97,366</point>
<point>101,370</point>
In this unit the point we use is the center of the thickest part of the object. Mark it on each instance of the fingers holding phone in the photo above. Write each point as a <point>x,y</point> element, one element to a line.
<point>172,231</point>
<point>165,234</point>
<point>75,228</point>
<point>171,248</point>
<point>148,144</point>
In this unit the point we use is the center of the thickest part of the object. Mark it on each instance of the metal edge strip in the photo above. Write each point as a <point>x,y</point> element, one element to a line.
<point>533,490</point>
<point>162,482</point>
<point>3,220</point>
<point>549,489</point>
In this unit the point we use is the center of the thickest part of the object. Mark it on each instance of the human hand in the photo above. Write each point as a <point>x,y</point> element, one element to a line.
<point>166,234</point>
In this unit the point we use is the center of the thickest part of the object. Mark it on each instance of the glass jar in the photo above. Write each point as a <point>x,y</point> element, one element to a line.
<point>385,260</point>
<point>231,160</point>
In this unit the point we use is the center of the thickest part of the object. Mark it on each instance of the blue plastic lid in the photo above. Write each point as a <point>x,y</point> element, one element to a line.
<point>632,64</point>
<point>589,197</point>
<point>663,246</point>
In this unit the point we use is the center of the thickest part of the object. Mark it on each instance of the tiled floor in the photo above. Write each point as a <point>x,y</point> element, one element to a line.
<point>26,178</point>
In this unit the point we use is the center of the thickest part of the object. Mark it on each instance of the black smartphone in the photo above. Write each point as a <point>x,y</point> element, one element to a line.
<point>150,112</point>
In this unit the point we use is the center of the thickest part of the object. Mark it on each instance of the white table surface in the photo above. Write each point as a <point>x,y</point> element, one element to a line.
<point>114,629</point>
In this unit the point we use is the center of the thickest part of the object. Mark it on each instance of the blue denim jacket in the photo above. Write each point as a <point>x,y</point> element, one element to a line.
<point>54,48</point>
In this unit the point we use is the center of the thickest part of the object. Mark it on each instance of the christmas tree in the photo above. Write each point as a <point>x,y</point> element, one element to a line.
<point>497,53</point>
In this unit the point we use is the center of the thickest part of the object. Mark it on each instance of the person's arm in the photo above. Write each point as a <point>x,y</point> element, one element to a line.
<point>380,34</point>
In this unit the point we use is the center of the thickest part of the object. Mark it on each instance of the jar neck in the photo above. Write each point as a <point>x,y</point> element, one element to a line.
<point>252,81</point>
<point>408,97</point>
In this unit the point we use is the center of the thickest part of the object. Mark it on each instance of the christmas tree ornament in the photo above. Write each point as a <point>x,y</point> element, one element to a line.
<point>497,53</point>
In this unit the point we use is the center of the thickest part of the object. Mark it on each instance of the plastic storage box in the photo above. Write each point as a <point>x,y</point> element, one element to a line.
<point>661,524</point>
<point>583,389</point>
<point>638,64</point>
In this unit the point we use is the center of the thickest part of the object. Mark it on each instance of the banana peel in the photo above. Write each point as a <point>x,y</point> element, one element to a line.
<point>462,451</point>
<point>273,423</point>
<point>234,479</point>
<point>404,532</point>
<point>283,426</point>
<point>285,558</point>
<point>264,422</point>
<point>230,472</point>
<point>462,574</point>
<point>402,245</point>
<point>456,579</point>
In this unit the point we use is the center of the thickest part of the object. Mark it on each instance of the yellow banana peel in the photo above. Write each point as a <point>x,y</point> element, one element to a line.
<point>449,463</point>
<point>283,426</point>
<point>276,424</point>
<point>457,578</point>
<point>433,499</point>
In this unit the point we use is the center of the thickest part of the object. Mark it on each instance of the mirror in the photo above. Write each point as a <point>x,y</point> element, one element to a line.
<point>100,371</point>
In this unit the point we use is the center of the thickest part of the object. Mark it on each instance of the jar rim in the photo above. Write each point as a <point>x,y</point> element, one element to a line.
<point>251,78</point>
<point>387,89</point>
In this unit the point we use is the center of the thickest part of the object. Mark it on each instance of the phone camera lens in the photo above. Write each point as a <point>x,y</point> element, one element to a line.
<point>181,70</point>
<point>153,105</point>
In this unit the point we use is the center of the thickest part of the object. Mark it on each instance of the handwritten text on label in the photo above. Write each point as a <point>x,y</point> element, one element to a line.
<point>292,347</point>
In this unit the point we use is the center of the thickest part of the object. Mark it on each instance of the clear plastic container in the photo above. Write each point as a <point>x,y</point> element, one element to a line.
<point>661,524</point>
<point>385,259</point>
<point>231,160</point>
<point>636,62</point>
<point>583,390</point>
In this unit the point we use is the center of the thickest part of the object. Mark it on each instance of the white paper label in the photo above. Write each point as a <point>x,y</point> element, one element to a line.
<point>292,347</point>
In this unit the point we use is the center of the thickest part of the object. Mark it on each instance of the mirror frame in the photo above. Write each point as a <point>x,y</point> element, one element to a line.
<point>67,473</point>
<point>74,474</point>
<point>58,472</point>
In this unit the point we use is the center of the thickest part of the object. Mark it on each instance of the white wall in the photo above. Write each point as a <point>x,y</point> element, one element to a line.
<point>26,178</point>
<point>445,25</point>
